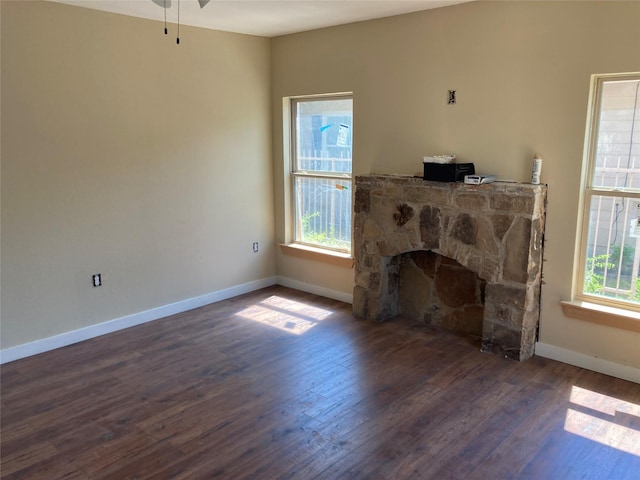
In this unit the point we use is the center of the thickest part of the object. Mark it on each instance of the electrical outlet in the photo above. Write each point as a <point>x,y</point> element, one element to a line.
<point>97,280</point>
<point>255,247</point>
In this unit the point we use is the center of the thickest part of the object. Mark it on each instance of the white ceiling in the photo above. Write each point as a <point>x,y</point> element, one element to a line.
<point>266,18</point>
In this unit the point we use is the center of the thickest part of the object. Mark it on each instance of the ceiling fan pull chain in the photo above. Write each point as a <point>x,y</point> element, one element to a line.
<point>178,37</point>
<point>165,17</point>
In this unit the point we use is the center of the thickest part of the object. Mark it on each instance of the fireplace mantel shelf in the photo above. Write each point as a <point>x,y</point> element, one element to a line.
<point>498,185</point>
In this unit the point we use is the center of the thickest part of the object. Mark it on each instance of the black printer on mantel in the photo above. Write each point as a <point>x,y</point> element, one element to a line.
<point>442,168</point>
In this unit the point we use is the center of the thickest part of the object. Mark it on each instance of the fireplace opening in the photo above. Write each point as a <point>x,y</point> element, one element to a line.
<point>439,291</point>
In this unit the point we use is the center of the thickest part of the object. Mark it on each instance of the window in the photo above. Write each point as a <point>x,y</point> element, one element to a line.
<point>610,240</point>
<point>321,132</point>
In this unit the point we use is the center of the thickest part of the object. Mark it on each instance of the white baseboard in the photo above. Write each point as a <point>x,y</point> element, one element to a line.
<point>552,352</point>
<point>315,289</point>
<point>81,334</point>
<point>596,364</point>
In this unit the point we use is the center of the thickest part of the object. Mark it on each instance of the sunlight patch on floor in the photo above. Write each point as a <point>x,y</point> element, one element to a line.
<point>285,314</point>
<point>604,419</point>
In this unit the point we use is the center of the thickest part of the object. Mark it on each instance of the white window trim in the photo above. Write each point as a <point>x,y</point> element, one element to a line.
<point>585,306</point>
<point>290,245</point>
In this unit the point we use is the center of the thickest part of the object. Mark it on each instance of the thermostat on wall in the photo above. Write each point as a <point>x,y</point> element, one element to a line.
<point>478,179</point>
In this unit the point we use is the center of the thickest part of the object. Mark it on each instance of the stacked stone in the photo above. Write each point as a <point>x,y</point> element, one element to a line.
<point>495,230</point>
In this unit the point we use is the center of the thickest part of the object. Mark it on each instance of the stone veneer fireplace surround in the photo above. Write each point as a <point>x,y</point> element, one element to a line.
<point>495,230</point>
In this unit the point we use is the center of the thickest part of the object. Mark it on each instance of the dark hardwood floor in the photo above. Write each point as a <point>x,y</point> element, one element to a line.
<point>283,384</point>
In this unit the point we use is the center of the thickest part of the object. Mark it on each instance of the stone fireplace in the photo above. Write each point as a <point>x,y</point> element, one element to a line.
<point>483,238</point>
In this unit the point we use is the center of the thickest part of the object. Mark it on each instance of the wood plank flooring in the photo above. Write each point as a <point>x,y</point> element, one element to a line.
<point>279,384</point>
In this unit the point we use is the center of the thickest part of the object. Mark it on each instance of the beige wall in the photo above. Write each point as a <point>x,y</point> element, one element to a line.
<point>125,154</point>
<point>521,71</point>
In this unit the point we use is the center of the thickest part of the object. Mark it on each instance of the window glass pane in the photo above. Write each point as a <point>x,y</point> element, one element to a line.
<point>613,248</point>
<point>323,211</point>
<point>322,171</point>
<point>617,159</point>
<point>323,135</point>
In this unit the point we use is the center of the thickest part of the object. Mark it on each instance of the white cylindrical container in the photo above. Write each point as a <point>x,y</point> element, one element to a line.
<point>537,168</point>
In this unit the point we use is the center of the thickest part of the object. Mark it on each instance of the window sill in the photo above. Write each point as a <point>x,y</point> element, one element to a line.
<point>610,316</point>
<point>318,254</point>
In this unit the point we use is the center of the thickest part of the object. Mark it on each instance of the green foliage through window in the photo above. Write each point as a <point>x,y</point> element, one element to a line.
<point>325,238</point>
<point>599,265</point>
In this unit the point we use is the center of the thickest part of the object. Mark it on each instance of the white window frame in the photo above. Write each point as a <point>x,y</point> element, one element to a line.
<point>291,162</point>
<point>588,191</point>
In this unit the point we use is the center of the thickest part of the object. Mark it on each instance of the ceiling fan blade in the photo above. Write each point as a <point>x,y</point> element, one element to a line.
<point>203,3</point>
